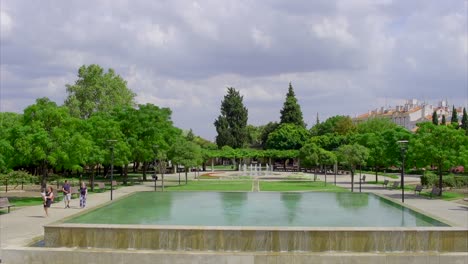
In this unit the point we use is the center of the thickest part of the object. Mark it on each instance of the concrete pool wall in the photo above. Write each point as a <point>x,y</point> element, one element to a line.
<point>258,239</point>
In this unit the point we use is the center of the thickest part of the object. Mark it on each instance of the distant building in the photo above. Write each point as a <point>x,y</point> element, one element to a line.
<point>411,113</point>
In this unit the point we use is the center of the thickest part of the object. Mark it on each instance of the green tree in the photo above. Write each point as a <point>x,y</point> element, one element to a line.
<point>444,122</point>
<point>291,112</point>
<point>96,90</point>
<point>231,125</point>
<point>464,123</point>
<point>266,130</point>
<point>435,118</point>
<point>454,119</point>
<point>341,125</point>
<point>185,153</point>
<point>255,136</point>
<point>439,146</point>
<point>352,156</point>
<point>287,136</point>
<point>40,141</point>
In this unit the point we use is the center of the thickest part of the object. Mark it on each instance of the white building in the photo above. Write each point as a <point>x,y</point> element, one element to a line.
<point>411,113</point>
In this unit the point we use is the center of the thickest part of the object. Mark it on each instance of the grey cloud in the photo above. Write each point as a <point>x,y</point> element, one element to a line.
<point>340,55</point>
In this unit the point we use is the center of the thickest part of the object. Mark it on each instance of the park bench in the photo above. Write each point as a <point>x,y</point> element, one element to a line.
<point>418,189</point>
<point>74,191</point>
<point>385,184</point>
<point>114,183</point>
<point>395,185</point>
<point>435,191</point>
<point>4,203</point>
<point>100,185</point>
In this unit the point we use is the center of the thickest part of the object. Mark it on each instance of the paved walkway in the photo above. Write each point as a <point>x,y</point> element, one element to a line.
<point>22,226</point>
<point>451,212</point>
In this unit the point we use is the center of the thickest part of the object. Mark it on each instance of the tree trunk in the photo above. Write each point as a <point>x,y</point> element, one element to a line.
<point>352,180</point>
<point>186,171</point>
<point>376,174</point>
<point>440,180</point>
<point>145,167</point>
<point>125,174</point>
<point>91,179</point>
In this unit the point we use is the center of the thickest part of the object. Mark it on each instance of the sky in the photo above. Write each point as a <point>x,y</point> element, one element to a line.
<point>343,57</point>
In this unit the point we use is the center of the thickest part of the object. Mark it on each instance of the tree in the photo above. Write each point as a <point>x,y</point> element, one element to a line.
<point>185,153</point>
<point>231,125</point>
<point>454,119</point>
<point>341,125</point>
<point>444,122</point>
<point>464,123</point>
<point>291,112</point>
<point>287,136</point>
<point>435,118</point>
<point>97,91</point>
<point>439,146</point>
<point>266,130</point>
<point>38,142</point>
<point>352,155</point>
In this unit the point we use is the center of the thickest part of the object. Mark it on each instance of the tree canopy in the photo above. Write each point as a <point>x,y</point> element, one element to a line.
<point>96,90</point>
<point>291,112</point>
<point>231,125</point>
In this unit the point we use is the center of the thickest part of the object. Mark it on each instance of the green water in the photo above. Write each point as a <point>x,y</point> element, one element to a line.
<point>256,209</point>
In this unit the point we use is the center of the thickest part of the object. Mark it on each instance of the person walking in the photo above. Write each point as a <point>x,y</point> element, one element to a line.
<point>83,194</point>
<point>66,189</point>
<point>48,199</point>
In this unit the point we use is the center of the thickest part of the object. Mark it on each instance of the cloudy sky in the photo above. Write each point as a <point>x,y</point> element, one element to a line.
<point>343,57</point>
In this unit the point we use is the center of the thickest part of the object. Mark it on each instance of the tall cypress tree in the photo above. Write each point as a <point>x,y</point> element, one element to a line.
<point>454,119</point>
<point>464,123</point>
<point>231,125</point>
<point>444,122</point>
<point>291,112</point>
<point>435,118</point>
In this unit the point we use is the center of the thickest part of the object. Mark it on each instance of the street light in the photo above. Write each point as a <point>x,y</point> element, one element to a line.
<point>403,148</point>
<point>112,142</point>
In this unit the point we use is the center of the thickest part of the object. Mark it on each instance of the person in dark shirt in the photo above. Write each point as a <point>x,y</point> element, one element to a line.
<point>48,199</point>
<point>66,189</point>
<point>83,195</point>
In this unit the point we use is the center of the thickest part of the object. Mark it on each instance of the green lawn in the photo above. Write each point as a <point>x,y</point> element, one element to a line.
<point>447,196</point>
<point>284,186</point>
<point>213,185</point>
<point>25,201</point>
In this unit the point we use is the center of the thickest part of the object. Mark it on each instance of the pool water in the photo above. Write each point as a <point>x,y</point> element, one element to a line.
<point>309,209</point>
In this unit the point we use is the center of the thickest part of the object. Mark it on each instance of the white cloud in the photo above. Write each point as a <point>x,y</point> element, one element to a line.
<point>6,24</point>
<point>335,29</point>
<point>260,38</point>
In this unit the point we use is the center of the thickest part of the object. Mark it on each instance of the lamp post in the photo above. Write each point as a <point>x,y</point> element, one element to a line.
<point>112,142</point>
<point>403,147</point>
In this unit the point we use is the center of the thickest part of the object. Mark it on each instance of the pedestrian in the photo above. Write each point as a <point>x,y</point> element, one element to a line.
<point>83,194</point>
<point>48,199</point>
<point>66,189</point>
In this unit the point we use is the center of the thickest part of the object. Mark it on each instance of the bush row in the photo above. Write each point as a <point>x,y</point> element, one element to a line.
<point>451,181</point>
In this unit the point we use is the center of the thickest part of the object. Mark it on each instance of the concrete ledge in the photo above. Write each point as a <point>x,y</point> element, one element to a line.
<point>27,255</point>
<point>263,239</point>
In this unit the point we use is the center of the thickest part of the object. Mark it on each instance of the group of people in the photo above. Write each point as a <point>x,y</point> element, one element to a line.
<point>48,196</point>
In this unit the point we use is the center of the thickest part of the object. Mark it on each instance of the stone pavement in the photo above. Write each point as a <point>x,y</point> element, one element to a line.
<point>453,213</point>
<point>22,226</point>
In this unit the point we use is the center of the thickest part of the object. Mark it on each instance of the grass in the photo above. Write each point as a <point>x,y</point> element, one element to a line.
<point>446,196</point>
<point>284,186</point>
<point>25,201</point>
<point>213,185</point>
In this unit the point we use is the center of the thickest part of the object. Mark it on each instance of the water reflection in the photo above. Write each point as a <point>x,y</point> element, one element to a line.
<point>291,203</point>
<point>352,200</point>
<point>233,203</point>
